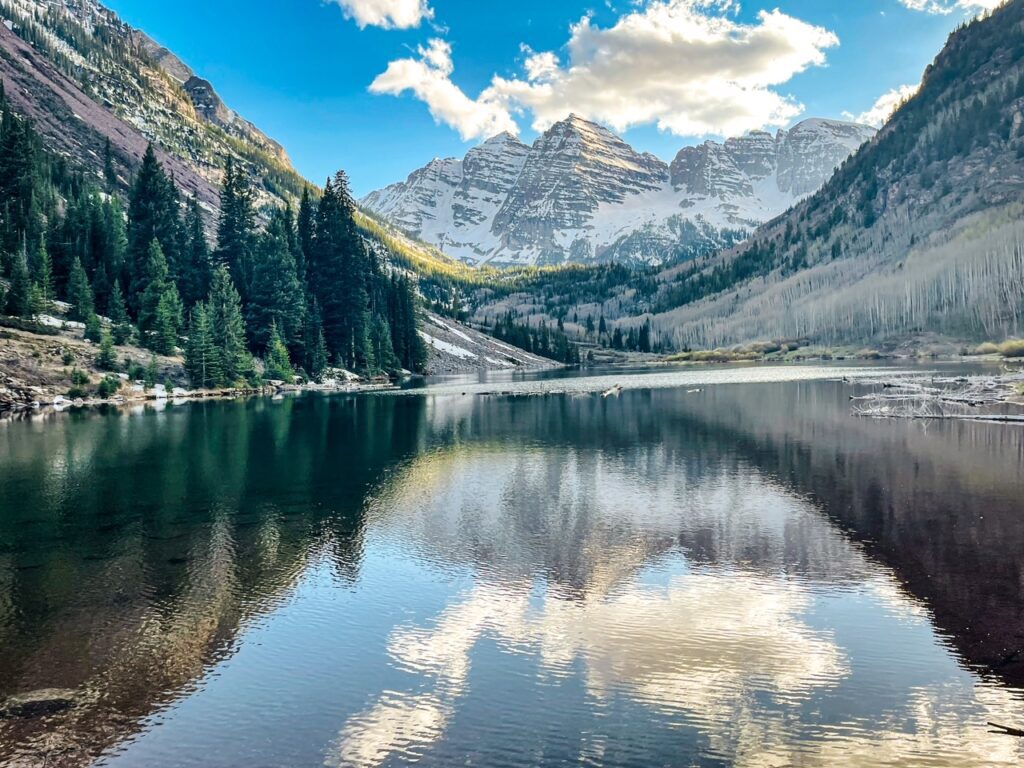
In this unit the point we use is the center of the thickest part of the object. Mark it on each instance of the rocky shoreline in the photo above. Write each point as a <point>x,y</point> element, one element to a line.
<point>17,398</point>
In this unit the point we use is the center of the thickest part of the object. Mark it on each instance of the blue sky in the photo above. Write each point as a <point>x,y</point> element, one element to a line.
<point>663,73</point>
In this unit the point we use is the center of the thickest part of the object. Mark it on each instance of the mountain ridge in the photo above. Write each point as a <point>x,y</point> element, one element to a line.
<point>581,194</point>
<point>86,77</point>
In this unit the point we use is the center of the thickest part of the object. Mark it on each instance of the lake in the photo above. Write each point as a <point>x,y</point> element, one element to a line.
<point>717,567</point>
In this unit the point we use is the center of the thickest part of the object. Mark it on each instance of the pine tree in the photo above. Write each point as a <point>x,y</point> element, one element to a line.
<point>275,298</point>
<point>278,364</point>
<point>152,372</point>
<point>306,232</point>
<point>197,269</point>
<point>42,272</point>
<point>338,275</point>
<point>202,358</point>
<point>106,360</point>
<point>235,240</point>
<point>80,293</point>
<point>156,281</point>
<point>383,351</point>
<point>153,215</point>
<point>168,321</point>
<point>317,357</point>
<point>121,326</point>
<point>225,308</point>
<point>93,329</point>
<point>18,300</point>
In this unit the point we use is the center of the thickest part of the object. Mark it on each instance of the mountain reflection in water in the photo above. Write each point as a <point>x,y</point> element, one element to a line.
<point>740,576</point>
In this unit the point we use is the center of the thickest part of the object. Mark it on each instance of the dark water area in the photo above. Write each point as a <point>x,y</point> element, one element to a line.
<point>711,569</point>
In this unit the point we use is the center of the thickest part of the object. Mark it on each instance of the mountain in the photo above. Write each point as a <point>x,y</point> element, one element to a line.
<point>581,194</point>
<point>85,77</point>
<point>919,232</point>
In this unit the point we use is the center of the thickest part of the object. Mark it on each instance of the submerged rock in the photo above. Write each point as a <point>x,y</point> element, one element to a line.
<point>40,703</point>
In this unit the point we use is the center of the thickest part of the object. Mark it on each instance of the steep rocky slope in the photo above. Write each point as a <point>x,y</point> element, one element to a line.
<point>86,77</point>
<point>919,231</point>
<point>581,194</point>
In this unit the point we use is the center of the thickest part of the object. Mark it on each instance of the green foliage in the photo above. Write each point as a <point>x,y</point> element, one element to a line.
<point>541,340</point>
<point>202,357</point>
<point>18,300</point>
<point>236,228</point>
<point>93,329</point>
<point>168,322</point>
<point>228,328</point>
<point>108,387</point>
<point>121,326</point>
<point>80,294</point>
<point>106,360</point>
<point>276,297</point>
<point>278,364</point>
<point>153,215</point>
<point>151,373</point>
<point>66,235</point>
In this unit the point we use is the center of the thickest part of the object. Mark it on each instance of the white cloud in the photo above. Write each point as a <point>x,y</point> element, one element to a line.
<point>389,14</point>
<point>685,65</point>
<point>429,78</point>
<point>949,6</point>
<point>883,108</point>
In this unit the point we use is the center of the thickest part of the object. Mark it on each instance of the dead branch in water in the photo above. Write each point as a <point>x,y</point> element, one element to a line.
<point>968,398</point>
<point>1006,730</point>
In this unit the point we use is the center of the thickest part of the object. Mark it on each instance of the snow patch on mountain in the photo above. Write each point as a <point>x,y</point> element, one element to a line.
<point>582,194</point>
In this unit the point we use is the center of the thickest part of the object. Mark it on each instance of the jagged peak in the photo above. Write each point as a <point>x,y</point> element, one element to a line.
<point>505,137</point>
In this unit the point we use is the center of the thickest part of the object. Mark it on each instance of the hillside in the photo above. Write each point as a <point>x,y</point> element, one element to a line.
<point>85,78</point>
<point>580,194</point>
<point>919,231</point>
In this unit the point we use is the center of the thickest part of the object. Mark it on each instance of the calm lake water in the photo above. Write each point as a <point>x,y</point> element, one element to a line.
<point>715,568</point>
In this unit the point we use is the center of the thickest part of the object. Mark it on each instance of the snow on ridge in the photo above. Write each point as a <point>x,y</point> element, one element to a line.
<point>580,193</point>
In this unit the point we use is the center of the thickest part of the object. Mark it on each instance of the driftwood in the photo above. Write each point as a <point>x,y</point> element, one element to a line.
<point>1006,730</point>
<point>970,398</point>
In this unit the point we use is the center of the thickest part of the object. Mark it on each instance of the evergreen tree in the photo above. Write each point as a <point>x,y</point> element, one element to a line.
<point>194,281</point>
<point>338,276</point>
<point>236,227</point>
<point>317,356</point>
<point>383,351</point>
<point>202,358</point>
<point>157,282</point>
<point>153,215</point>
<point>121,326</point>
<point>37,303</point>
<point>80,293</point>
<point>106,360</point>
<point>18,301</point>
<point>168,321</point>
<point>93,329</point>
<point>278,364</point>
<point>42,272</point>
<point>306,232</point>
<point>225,309</point>
<point>152,372</point>
<point>275,298</point>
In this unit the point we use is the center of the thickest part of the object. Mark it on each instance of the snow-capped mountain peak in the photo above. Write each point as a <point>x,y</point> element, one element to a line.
<point>581,193</point>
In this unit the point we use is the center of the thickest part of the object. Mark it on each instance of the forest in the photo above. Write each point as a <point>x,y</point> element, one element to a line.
<point>278,292</point>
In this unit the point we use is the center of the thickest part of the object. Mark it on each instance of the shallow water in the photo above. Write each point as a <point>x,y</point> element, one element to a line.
<point>718,567</point>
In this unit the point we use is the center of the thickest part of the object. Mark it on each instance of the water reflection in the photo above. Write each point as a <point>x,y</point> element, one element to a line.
<point>722,639</point>
<point>744,575</point>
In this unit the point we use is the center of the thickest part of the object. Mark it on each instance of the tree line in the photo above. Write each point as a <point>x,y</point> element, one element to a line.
<point>297,290</point>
